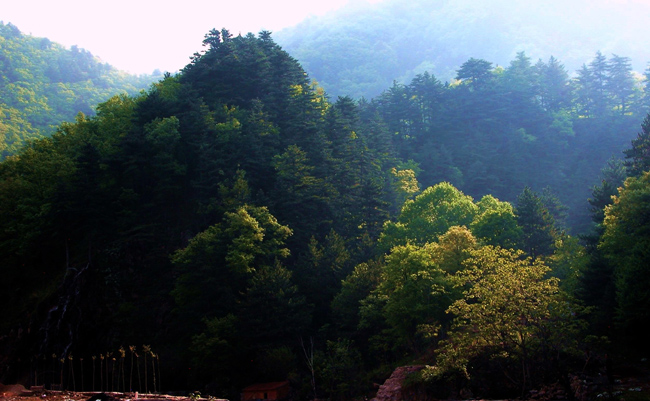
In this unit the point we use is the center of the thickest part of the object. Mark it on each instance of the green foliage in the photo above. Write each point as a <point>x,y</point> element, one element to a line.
<point>612,177</point>
<point>406,185</point>
<point>525,119</point>
<point>225,255</point>
<point>595,286</point>
<point>638,156</point>
<point>625,243</point>
<point>568,262</point>
<point>354,288</point>
<point>496,223</point>
<point>232,280</point>
<point>42,84</point>
<point>215,351</point>
<point>453,247</point>
<point>232,209</point>
<point>428,216</point>
<point>340,370</point>
<point>302,196</point>
<point>274,310</point>
<point>361,49</point>
<point>475,73</point>
<point>537,224</point>
<point>621,82</point>
<point>510,315</point>
<point>415,287</point>
<point>280,363</point>
<point>555,91</point>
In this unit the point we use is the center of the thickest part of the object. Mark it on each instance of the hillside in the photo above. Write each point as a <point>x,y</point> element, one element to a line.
<point>234,225</point>
<point>360,49</point>
<point>43,84</point>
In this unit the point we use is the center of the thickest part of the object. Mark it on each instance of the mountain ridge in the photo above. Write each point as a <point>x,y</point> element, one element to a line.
<point>360,49</point>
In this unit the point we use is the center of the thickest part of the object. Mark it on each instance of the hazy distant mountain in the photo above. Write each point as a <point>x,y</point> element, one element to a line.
<point>360,49</point>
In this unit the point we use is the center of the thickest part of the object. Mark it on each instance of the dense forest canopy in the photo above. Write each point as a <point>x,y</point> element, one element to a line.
<point>234,224</point>
<point>362,48</point>
<point>43,84</point>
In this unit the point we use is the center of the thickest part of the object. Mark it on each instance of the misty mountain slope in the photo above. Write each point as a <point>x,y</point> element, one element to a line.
<point>360,49</point>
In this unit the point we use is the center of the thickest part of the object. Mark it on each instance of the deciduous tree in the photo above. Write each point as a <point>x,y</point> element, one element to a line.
<point>626,243</point>
<point>429,215</point>
<point>510,316</point>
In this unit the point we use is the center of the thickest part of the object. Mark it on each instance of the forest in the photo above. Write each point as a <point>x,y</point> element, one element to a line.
<point>233,224</point>
<point>360,49</point>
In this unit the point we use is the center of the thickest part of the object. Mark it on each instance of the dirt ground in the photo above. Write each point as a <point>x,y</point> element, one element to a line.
<point>628,383</point>
<point>17,392</point>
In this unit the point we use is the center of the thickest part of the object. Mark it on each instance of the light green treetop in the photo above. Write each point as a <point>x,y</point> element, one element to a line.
<point>428,216</point>
<point>496,223</point>
<point>509,311</point>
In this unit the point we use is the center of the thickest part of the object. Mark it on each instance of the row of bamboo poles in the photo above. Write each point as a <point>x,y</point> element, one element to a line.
<point>108,371</point>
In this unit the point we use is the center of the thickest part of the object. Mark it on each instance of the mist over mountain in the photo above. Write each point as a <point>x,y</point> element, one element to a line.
<point>360,49</point>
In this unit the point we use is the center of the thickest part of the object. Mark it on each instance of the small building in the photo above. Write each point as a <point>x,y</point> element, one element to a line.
<point>266,391</point>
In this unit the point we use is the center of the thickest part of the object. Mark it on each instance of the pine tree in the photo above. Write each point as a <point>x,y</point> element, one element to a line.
<point>638,156</point>
<point>553,85</point>
<point>536,223</point>
<point>620,82</point>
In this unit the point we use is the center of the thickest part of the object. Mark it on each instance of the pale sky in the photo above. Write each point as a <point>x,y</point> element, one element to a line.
<point>139,36</point>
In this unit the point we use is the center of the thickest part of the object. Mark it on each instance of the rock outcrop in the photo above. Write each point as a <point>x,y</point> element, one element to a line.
<point>13,389</point>
<point>391,390</point>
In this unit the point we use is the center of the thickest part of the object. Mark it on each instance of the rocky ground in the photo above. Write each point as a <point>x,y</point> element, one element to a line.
<point>628,382</point>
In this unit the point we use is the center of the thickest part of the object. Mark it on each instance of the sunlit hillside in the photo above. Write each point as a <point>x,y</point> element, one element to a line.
<point>43,84</point>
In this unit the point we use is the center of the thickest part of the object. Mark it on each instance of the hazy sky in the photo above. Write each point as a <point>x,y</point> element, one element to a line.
<point>141,35</point>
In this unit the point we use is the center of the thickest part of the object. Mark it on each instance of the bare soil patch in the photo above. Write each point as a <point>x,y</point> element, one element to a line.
<point>17,392</point>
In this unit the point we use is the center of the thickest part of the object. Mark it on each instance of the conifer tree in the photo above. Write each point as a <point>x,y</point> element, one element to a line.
<point>638,156</point>
<point>553,85</point>
<point>536,223</point>
<point>620,82</point>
